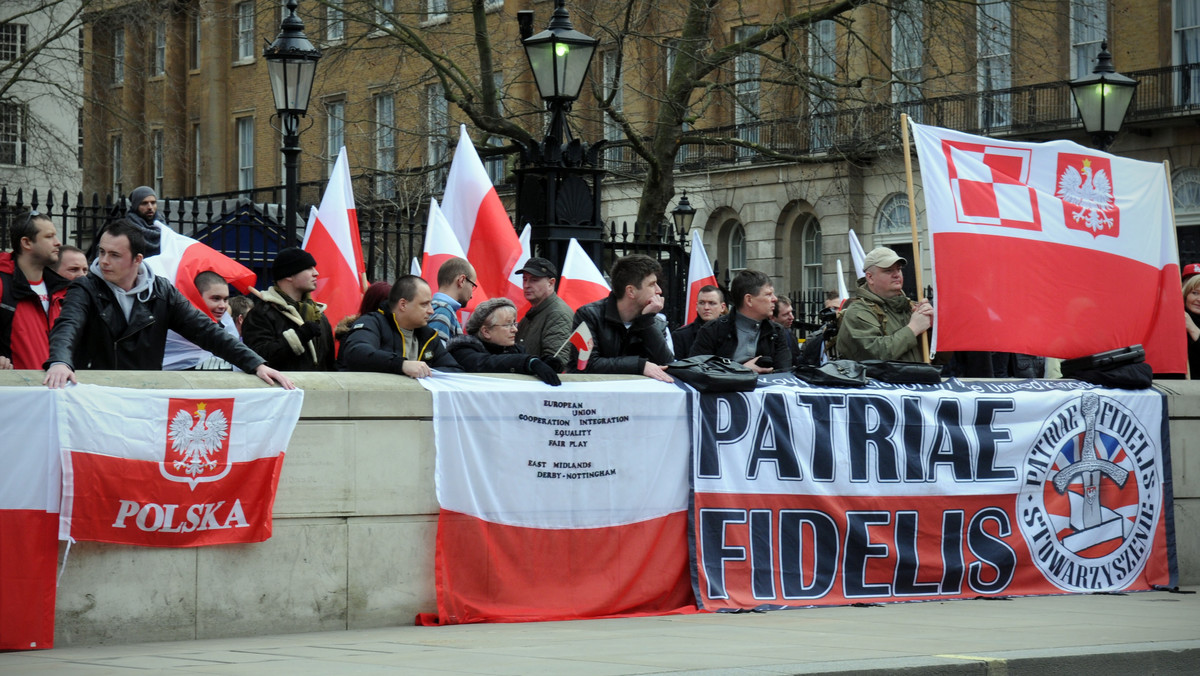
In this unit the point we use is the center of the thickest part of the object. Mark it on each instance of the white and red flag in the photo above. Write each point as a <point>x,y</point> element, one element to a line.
<point>516,279</point>
<point>700,274</point>
<point>334,241</point>
<point>580,282</point>
<point>29,488</point>
<point>1050,249</point>
<point>440,245</point>
<point>172,468</point>
<point>480,222</point>
<point>578,519</point>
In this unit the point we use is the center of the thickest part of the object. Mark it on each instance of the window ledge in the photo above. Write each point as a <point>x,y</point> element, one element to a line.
<point>435,21</point>
<point>243,62</point>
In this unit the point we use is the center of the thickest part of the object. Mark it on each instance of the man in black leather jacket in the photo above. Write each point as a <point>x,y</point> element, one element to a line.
<point>747,335</point>
<point>397,338</point>
<point>629,334</point>
<point>118,315</point>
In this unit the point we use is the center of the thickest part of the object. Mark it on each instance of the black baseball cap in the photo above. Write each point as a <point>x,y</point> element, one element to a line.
<point>540,267</point>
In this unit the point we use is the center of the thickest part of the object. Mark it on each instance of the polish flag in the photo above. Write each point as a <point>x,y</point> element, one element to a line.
<point>700,274</point>
<point>440,245</point>
<point>573,530</point>
<point>517,279</point>
<point>414,267</point>
<point>333,240</point>
<point>1050,249</point>
<point>581,281</point>
<point>29,489</point>
<point>181,258</point>
<point>480,222</point>
<point>857,255</point>
<point>172,468</point>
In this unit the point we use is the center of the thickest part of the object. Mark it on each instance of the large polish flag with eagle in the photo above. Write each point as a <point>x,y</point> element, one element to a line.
<point>172,468</point>
<point>333,240</point>
<point>1050,249</point>
<point>481,223</point>
<point>585,517</point>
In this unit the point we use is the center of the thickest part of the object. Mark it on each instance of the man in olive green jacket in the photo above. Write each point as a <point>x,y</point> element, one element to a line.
<point>547,325</point>
<point>882,323</point>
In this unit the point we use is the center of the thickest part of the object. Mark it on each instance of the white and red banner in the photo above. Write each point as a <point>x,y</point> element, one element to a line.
<point>581,282</point>
<point>166,468</point>
<point>440,245</point>
<point>480,222</point>
<point>29,489</point>
<point>700,274</point>
<point>805,496</point>
<point>1050,249</point>
<point>559,502</point>
<point>517,279</point>
<point>333,240</point>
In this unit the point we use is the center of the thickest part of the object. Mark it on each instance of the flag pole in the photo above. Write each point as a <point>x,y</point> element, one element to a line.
<point>1187,367</point>
<point>912,219</point>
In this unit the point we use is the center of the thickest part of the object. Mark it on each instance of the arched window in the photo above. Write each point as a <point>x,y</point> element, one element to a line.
<point>893,216</point>
<point>737,249</point>
<point>1186,185</point>
<point>812,255</point>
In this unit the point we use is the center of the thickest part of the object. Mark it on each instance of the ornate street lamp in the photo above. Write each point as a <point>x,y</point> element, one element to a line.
<point>553,191</point>
<point>682,214</point>
<point>1103,98</point>
<point>292,65</point>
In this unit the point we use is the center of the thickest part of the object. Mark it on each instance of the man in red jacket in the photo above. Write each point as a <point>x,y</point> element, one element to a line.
<point>32,293</point>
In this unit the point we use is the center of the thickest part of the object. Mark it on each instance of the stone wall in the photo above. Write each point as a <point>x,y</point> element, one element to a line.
<point>354,525</point>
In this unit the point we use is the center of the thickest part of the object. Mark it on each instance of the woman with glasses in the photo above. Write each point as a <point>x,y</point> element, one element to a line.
<point>490,344</point>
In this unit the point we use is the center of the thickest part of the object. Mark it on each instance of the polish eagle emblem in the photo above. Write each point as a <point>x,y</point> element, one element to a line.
<point>196,442</point>
<point>1091,194</point>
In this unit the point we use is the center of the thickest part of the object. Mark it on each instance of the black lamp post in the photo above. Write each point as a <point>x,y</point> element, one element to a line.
<point>292,65</point>
<point>1103,98</point>
<point>558,179</point>
<point>683,214</point>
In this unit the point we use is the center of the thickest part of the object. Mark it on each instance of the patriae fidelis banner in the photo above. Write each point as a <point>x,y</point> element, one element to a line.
<point>808,496</point>
<point>166,468</point>
<point>1050,249</point>
<point>559,502</point>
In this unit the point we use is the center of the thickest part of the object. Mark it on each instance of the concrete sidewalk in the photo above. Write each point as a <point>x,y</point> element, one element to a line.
<point>1141,633</point>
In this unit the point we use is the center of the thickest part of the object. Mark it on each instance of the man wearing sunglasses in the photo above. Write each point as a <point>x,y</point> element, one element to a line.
<point>456,283</point>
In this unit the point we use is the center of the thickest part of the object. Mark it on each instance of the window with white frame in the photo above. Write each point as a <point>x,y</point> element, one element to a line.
<point>437,133</point>
<point>1187,50</point>
<point>495,164</point>
<point>245,31</point>
<point>747,71</point>
<point>737,249</point>
<point>994,62</point>
<point>79,138</point>
<point>893,217</point>
<point>822,63</point>
<point>385,145</point>
<point>812,255</point>
<point>908,40</point>
<point>1089,26</point>
<point>435,10</point>
<point>115,168</point>
<point>12,41</point>
<point>156,159</point>
<point>197,160</point>
<point>335,22</point>
<point>335,131</point>
<point>118,73</point>
<point>1185,183</point>
<point>160,47</point>
<point>384,13</point>
<point>614,84</point>
<point>245,139</point>
<point>194,57</point>
<point>492,5</point>
<point>12,132</point>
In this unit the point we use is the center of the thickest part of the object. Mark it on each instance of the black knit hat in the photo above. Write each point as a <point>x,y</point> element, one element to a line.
<point>291,260</point>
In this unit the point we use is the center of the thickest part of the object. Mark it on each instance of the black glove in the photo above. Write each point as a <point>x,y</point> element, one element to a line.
<point>554,363</point>
<point>543,372</point>
<point>308,331</point>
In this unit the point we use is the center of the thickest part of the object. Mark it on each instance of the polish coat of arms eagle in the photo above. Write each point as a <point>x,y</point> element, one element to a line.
<point>1091,192</point>
<point>196,442</point>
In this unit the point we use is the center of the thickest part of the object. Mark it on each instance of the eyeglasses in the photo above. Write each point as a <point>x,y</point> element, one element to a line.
<point>470,281</point>
<point>510,325</point>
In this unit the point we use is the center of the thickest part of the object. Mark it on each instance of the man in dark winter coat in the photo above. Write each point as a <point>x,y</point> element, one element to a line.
<point>117,317</point>
<point>143,214</point>
<point>747,335</point>
<point>31,293</point>
<point>397,338</point>
<point>710,304</point>
<point>629,335</point>
<point>287,327</point>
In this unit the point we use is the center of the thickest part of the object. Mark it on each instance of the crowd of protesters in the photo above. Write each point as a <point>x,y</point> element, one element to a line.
<point>61,313</point>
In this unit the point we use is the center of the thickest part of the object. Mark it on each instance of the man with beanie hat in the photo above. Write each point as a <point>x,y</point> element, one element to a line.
<point>288,328</point>
<point>143,213</point>
<point>881,322</point>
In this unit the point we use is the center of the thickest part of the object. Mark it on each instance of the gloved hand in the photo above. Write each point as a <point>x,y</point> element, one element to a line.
<point>542,371</point>
<point>554,363</point>
<point>308,331</point>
